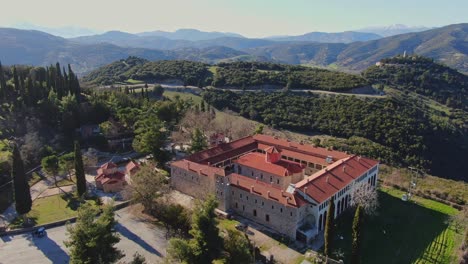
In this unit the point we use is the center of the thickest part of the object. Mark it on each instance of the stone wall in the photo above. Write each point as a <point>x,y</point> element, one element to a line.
<point>276,216</point>
<point>192,183</point>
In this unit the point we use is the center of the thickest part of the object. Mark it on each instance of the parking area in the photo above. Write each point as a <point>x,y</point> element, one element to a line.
<point>136,236</point>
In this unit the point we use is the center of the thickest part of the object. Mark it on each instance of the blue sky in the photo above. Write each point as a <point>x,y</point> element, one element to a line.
<point>253,18</point>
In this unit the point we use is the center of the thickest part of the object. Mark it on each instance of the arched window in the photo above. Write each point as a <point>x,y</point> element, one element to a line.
<point>320,223</point>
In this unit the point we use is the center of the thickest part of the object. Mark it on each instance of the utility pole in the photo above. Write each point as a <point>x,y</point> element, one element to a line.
<point>415,172</point>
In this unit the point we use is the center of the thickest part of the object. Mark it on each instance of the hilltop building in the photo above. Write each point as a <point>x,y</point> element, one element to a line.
<point>281,184</point>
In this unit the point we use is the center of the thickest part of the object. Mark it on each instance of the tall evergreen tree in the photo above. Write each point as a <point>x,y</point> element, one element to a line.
<point>198,141</point>
<point>329,227</point>
<point>202,106</point>
<point>79,171</point>
<point>3,88</point>
<point>23,200</point>
<point>92,240</point>
<point>356,240</point>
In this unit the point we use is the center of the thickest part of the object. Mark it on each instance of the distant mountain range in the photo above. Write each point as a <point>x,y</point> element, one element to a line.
<point>323,37</point>
<point>189,34</point>
<point>446,44</point>
<point>65,32</point>
<point>392,30</point>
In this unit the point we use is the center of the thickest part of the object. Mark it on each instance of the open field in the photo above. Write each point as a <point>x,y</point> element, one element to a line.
<point>430,186</point>
<point>50,209</point>
<point>403,232</point>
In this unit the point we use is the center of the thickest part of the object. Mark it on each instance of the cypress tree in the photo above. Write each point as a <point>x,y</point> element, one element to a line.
<point>3,87</point>
<point>23,200</point>
<point>79,171</point>
<point>202,106</point>
<point>329,227</point>
<point>356,242</point>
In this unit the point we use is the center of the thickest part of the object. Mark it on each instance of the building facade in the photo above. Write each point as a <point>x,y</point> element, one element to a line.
<point>283,185</point>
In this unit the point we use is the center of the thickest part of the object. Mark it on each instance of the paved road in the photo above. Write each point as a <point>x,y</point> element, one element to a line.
<point>136,236</point>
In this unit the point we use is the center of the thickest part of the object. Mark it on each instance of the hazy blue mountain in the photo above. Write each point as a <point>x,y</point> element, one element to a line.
<point>65,32</point>
<point>189,34</point>
<point>448,45</point>
<point>39,48</point>
<point>392,30</point>
<point>324,37</point>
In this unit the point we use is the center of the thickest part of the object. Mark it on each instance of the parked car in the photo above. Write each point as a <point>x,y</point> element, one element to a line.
<point>39,232</point>
<point>242,227</point>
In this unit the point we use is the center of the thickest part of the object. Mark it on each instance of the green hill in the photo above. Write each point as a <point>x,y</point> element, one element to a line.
<point>241,74</point>
<point>423,76</point>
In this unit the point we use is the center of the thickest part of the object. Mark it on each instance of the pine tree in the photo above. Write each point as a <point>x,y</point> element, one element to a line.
<point>202,106</point>
<point>79,171</point>
<point>198,141</point>
<point>356,240</point>
<point>329,227</point>
<point>92,240</point>
<point>23,200</point>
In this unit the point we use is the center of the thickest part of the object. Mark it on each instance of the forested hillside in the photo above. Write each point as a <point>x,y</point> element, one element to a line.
<point>397,132</point>
<point>423,76</point>
<point>251,75</point>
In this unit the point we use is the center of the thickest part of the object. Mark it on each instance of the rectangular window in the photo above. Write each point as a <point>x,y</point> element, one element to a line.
<point>236,205</point>
<point>272,207</point>
<point>267,218</point>
<point>281,210</point>
<point>243,208</point>
<point>277,181</point>
<point>255,212</point>
<point>255,200</point>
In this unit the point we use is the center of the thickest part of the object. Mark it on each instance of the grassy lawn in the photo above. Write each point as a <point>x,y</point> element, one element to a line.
<point>196,99</point>
<point>50,209</point>
<point>403,232</point>
<point>132,81</point>
<point>227,224</point>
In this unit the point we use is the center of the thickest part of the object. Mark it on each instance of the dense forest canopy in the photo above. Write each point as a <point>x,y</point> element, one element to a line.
<point>233,75</point>
<point>423,76</point>
<point>402,134</point>
<point>42,108</point>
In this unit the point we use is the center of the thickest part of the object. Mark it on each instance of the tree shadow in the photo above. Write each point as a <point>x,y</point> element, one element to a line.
<point>135,238</point>
<point>400,232</point>
<point>50,249</point>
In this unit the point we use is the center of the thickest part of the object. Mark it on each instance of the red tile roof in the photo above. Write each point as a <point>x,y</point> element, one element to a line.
<point>325,183</point>
<point>132,167</point>
<point>265,190</point>
<point>201,169</point>
<point>108,165</point>
<point>282,144</point>
<point>105,178</point>
<point>224,151</point>
<point>258,161</point>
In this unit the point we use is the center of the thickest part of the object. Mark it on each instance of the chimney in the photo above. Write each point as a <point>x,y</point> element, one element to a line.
<point>209,163</point>
<point>251,188</point>
<point>305,189</point>
<point>199,171</point>
<point>256,179</point>
<point>344,168</point>
<point>268,193</point>
<point>237,182</point>
<point>328,179</point>
<point>282,192</point>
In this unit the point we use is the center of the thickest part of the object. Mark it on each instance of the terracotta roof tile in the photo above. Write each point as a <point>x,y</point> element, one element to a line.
<point>104,178</point>
<point>202,169</point>
<point>297,147</point>
<point>224,151</point>
<point>281,168</point>
<point>325,183</point>
<point>265,190</point>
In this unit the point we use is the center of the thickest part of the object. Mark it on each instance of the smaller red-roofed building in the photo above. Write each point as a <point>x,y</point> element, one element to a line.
<point>130,169</point>
<point>110,179</point>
